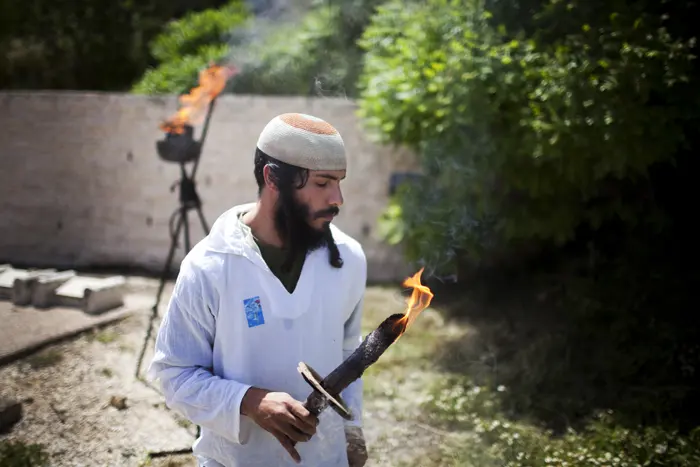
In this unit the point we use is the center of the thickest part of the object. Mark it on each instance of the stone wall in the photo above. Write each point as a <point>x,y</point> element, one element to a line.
<point>81,184</point>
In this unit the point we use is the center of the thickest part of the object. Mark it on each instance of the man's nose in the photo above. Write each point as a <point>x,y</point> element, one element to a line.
<point>336,197</point>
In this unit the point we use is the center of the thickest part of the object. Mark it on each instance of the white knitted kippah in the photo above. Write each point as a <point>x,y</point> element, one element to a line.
<point>303,141</point>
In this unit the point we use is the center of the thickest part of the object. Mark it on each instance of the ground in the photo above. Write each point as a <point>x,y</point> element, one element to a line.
<point>84,404</point>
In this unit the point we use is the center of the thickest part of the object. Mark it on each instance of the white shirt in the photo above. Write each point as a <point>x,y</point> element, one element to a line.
<point>231,324</point>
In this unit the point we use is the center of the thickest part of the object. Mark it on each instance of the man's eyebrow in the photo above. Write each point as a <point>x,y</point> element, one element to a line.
<point>330,177</point>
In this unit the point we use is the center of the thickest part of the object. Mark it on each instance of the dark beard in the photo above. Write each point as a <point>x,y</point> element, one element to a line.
<point>292,222</point>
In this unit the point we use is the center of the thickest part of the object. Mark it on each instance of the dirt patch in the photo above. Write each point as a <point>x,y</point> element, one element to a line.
<point>82,401</point>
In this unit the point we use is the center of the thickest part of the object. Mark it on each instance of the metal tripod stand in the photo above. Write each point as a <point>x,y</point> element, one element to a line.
<point>179,223</point>
<point>178,226</point>
<point>181,149</point>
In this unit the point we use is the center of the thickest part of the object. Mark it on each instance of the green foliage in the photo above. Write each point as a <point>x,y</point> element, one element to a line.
<point>188,45</point>
<point>181,75</point>
<point>18,454</point>
<point>188,35</point>
<point>462,406</point>
<point>82,44</point>
<point>520,137</point>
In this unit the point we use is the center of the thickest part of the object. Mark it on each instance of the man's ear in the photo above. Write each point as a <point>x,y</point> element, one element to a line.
<point>269,180</point>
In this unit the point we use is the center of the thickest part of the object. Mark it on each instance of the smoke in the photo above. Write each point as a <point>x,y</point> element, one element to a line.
<point>267,7</point>
<point>291,47</point>
<point>279,10</point>
<point>248,43</point>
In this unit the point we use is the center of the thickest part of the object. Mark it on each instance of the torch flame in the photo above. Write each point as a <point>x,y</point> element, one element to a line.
<point>212,81</point>
<point>420,299</point>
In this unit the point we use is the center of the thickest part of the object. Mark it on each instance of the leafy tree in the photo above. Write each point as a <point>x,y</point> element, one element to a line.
<point>188,45</point>
<point>83,44</point>
<point>312,53</point>
<point>521,136</point>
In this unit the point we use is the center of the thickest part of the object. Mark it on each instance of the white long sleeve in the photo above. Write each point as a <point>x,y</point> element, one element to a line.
<point>231,325</point>
<point>183,360</point>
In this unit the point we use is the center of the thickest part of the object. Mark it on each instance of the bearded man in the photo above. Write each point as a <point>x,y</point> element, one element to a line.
<point>273,284</point>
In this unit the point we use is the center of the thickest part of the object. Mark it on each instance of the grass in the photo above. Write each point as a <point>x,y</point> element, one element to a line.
<point>460,406</point>
<point>44,359</point>
<point>104,336</point>
<point>504,383</point>
<point>184,423</point>
<point>19,454</point>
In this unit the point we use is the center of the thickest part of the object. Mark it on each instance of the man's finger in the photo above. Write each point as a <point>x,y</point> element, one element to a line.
<point>303,426</point>
<point>288,445</point>
<point>300,411</point>
<point>287,427</point>
<point>305,420</point>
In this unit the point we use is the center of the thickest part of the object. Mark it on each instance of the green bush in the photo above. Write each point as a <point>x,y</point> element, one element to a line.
<point>519,137</point>
<point>188,45</point>
<point>313,54</point>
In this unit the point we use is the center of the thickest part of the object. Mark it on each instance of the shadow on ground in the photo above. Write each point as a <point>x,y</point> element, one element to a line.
<point>561,359</point>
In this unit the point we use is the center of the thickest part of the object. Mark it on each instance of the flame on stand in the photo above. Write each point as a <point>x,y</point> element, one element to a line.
<point>418,301</point>
<point>212,82</point>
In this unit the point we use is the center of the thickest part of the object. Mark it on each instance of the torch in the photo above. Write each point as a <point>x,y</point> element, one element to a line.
<point>326,391</point>
<point>196,107</point>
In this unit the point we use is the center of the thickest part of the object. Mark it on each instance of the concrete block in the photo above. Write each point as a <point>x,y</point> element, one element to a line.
<point>23,288</point>
<point>93,295</point>
<point>10,276</point>
<point>43,293</point>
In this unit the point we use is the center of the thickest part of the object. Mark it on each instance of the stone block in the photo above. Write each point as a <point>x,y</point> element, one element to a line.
<point>43,292</point>
<point>23,289</point>
<point>10,276</point>
<point>93,295</point>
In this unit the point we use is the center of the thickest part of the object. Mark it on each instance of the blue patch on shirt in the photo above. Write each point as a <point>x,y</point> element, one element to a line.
<point>253,311</point>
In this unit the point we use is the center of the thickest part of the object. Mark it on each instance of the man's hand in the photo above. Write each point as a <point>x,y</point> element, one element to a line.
<point>357,451</point>
<point>281,415</point>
